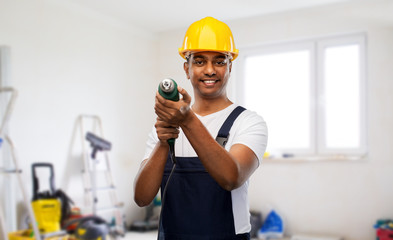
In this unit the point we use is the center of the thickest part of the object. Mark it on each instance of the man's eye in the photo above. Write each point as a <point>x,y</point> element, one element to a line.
<point>198,62</point>
<point>221,63</point>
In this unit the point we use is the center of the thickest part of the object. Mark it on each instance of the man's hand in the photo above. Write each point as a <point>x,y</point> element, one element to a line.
<point>166,131</point>
<point>173,113</point>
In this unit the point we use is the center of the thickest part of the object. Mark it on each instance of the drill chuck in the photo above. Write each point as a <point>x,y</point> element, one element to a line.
<point>168,89</point>
<point>167,85</point>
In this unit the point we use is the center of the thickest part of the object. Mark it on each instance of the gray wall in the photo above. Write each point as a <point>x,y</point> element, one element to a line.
<point>339,198</point>
<point>66,61</point>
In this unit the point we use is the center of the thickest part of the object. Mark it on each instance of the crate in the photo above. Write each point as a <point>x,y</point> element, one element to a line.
<point>384,234</point>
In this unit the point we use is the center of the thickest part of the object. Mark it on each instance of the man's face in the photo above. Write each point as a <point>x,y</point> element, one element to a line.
<point>209,73</point>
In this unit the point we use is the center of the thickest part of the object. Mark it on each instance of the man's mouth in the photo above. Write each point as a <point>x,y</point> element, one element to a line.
<point>209,82</point>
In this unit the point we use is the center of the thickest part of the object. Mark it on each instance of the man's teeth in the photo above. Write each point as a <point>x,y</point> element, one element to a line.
<point>209,81</point>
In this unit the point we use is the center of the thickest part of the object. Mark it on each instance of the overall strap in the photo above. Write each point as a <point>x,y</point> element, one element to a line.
<point>223,133</point>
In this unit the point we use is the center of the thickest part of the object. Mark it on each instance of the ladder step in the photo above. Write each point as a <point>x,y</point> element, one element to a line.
<point>101,188</point>
<point>98,171</point>
<point>109,208</point>
<point>4,170</point>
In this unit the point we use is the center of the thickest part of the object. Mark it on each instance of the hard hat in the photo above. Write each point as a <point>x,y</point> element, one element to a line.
<point>209,34</point>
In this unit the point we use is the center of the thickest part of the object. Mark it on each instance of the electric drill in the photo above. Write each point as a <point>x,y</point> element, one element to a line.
<point>168,89</point>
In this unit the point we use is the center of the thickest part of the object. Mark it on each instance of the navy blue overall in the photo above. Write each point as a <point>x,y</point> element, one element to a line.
<point>196,207</point>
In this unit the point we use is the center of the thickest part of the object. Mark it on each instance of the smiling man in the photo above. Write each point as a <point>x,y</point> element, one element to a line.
<point>218,146</point>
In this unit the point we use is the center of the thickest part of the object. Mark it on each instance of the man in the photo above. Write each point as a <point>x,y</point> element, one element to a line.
<point>207,196</point>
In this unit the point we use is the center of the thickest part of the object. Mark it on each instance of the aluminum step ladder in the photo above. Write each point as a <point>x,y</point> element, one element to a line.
<point>5,139</point>
<point>99,187</point>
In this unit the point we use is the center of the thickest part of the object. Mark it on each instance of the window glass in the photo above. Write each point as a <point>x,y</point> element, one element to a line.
<point>311,94</point>
<point>277,86</point>
<point>342,90</point>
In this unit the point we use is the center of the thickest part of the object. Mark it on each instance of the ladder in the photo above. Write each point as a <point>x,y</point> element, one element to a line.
<point>5,139</point>
<point>99,188</point>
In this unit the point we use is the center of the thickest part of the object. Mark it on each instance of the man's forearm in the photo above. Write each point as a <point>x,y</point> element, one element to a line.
<point>148,180</point>
<point>218,162</point>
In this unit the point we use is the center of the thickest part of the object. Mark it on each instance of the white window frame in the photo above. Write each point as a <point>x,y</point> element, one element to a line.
<point>316,46</point>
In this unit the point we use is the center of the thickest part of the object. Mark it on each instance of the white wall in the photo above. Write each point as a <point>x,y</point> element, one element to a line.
<point>334,198</point>
<point>67,61</point>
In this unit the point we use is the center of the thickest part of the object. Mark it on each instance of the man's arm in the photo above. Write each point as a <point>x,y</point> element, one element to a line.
<point>230,169</point>
<point>148,180</point>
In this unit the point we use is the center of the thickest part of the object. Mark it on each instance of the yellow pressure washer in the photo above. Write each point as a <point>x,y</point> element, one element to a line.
<point>46,206</point>
<point>49,207</point>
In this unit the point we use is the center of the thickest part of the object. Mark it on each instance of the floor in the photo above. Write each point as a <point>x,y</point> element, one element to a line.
<point>152,235</point>
<point>148,236</point>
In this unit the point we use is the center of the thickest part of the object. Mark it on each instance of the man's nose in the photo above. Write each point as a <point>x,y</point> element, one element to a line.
<point>209,69</point>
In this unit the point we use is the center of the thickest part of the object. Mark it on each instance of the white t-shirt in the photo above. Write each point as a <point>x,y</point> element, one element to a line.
<point>248,129</point>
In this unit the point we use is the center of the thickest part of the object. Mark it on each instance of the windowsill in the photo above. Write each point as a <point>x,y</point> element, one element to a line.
<point>327,158</point>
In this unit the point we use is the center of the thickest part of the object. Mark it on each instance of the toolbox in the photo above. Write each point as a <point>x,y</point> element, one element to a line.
<point>384,234</point>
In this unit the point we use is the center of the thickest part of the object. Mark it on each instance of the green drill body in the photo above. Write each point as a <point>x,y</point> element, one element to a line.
<point>168,90</point>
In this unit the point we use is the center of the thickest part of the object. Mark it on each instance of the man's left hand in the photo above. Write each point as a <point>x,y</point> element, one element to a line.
<point>171,111</point>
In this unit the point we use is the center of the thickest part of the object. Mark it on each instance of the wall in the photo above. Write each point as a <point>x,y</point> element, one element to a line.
<point>67,61</point>
<point>333,198</point>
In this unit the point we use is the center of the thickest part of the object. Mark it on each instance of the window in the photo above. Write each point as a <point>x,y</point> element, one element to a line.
<point>311,94</point>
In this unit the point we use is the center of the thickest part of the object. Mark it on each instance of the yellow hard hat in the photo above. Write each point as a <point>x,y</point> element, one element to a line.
<point>209,34</point>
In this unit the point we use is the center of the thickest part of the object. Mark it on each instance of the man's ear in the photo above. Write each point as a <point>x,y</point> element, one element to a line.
<point>186,69</point>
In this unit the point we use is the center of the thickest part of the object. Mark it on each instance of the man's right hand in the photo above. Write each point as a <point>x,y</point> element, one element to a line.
<point>166,131</point>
